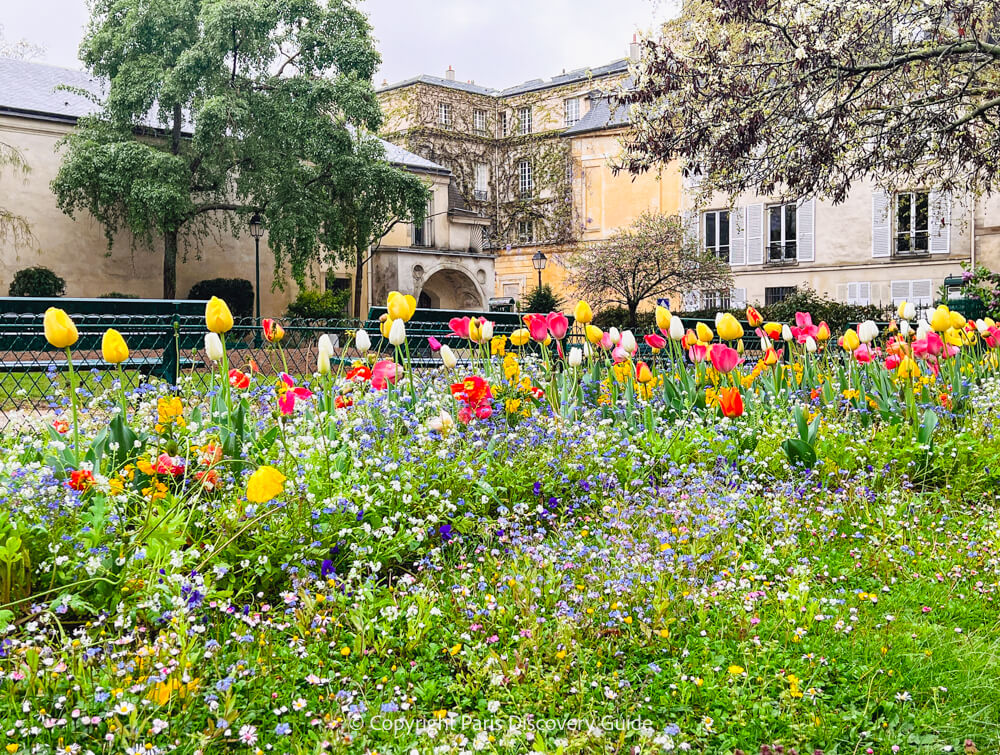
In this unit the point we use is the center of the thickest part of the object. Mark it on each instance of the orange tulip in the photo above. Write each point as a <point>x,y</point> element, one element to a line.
<point>754,318</point>
<point>731,402</point>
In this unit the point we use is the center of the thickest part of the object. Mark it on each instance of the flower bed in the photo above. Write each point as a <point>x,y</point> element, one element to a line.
<point>559,550</point>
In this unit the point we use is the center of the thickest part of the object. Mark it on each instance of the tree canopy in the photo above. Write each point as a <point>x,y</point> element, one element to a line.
<point>810,96</point>
<point>217,109</point>
<point>653,258</point>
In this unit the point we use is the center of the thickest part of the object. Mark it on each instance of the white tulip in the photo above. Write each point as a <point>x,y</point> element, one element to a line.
<point>448,357</point>
<point>486,331</point>
<point>904,328</point>
<point>811,345</point>
<point>867,331</point>
<point>325,346</point>
<point>923,328</point>
<point>765,343</point>
<point>982,327</point>
<point>907,311</point>
<point>615,335</point>
<point>442,423</point>
<point>362,341</point>
<point>575,358</point>
<point>628,341</point>
<point>718,316</point>
<point>213,346</point>
<point>397,333</point>
<point>676,328</point>
<point>588,350</point>
<point>323,363</point>
<point>786,333</point>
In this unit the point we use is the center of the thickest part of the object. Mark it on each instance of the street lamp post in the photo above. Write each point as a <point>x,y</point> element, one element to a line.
<point>538,261</point>
<point>256,230</point>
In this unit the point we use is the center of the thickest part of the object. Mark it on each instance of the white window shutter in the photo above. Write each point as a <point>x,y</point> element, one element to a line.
<point>738,298</point>
<point>900,291</point>
<point>737,236</point>
<point>852,293</point>
<point>755,234</point>
<point>805,225</point>
<point>922,292</point>
<point>690,301</point>
<point>864,293</point>
<point>881,224</point>
<point>939,218</point>
<point>842,293</point>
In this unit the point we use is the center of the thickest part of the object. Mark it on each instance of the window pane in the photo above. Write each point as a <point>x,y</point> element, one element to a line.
<point>790,234</point>
<point>920,241</point>
<point>774,221</point>
<point>724,228</point>
<point>710,239</point>
<point>921,214</point>
<point>903,204</point>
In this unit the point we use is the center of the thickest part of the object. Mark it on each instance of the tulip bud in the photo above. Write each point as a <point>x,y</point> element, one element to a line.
<point>923,328</point>
<point>941,319</point>
<point>520,337</point>
<point>906,310</point>
<point>718,316</point>
<point>397,333</point>
<point>60,330</point>
<point>704,332</point>
<point>811,345</point>
<point>627,341</point>
<point>218,318</point>
<point>615,335</point>
<point>642,373</point>
<point>323,363</point>
<point>448,357</point>
<point>575,358</point>
<point>904,328</point>
<point>867,331</point>
<point>676,329</point>
<point>663,318</point>
<point>583,314</point>
<point>594,334</point>
<point>213,346</point>
<point>786,333</point>
<point>113,347</point>
<point>325,346</point>
<point>362,341</point>
<point>981,326</point>
<point>486,331</point>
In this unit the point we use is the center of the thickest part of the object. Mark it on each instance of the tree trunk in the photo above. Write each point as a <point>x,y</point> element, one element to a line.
<point>359,270</point>
<point>170,264</point>
<point>633,308</point>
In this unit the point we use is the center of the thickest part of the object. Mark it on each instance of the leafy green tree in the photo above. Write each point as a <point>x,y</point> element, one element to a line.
<point>217,109</point>
<point>541,299</point>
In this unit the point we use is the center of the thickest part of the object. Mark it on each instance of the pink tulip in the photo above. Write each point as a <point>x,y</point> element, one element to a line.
<point>606,342</point>
<point>558,325</point>
<point>804,328</point>
<point>459,326</point>
<point>865,354</point>
<point>892,362</point>
<point>619,355</point>
<point>724,359</point>
<point>385,373</point>
<point>697,353</point>
<point>538,327</point>
<point>930,345</point>
<point>655,342</point>
<point>434,343</point>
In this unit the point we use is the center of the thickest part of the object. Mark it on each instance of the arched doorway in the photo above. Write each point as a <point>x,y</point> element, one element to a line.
<point>451,289</point>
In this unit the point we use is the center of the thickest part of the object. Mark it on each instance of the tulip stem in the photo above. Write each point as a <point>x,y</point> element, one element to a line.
<point>121,391</point>
<point>73,403</point>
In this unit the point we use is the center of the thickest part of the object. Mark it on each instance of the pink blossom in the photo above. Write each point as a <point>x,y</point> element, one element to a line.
<point>655,342</point>
<point>434,343</point>
<point>385,373</point>
<point>459,326</point>
<point>724,358</point>
<point>288,394</point>
<point>558,325</point>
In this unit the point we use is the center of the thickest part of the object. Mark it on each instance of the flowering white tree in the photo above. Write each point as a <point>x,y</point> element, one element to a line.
<point>13,226</point>
<point>650,259</point>
<point>813,95</point>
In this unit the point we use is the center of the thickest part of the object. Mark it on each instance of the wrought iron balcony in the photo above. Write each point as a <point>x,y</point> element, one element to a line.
<point>782,253</point>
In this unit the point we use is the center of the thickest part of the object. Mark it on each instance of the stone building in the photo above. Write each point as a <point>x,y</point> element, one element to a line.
<point>442,262</point>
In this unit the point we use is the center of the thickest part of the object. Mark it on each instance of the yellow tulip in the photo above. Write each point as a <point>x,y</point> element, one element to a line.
<point>60,330</point>
<point>941,319</point>
<point>850,341</point>
<point>583,314</point>
<point>520,337</point>
<point>474,330</point>
<point>265,484</point>
<point>594,334</point>
<point>643,373</point>
<point>663,318</point>
<point>953,337</point>
<point>401,307</point>
<point>218,318</point>
<point>908,368</point>
<point>385,326</point>
<point>956,320</point>
<point>704,332</point>
<point>113,347</point>
<point>989,322</point>
<point>729,328</point>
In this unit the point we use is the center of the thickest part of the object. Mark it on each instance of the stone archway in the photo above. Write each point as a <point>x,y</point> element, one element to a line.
<point>451,289</point>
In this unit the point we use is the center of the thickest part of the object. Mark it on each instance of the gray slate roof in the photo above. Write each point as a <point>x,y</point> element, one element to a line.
<point>32,90</point>
<point>600,116</point>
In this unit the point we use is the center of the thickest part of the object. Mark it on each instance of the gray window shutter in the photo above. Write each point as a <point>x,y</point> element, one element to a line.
<point>900,291</point>
<point>737,236</point>
<point>864,293</point>
<point>939,217</point>
<point>843,293</point>
<point>881,224</point>
<point>922,292</point>
<point>738,298</point>
<point>805,224</point>
<point>755,234</point>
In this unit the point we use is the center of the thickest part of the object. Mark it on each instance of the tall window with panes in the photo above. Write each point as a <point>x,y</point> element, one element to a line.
<point>782,235</point>
<point>482,191</point>
<point>423,234</point>
<point>525,231</point>
<point>572,109</point>
<point>502,124</point>
<point>524,120</point>
<point>444,114</point>
<point>526,179</point>
<point>479,122</point>
<point>912,223</point>
<point>716,233</point>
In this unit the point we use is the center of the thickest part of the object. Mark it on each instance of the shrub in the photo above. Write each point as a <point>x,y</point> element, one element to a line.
<point>981,285</point>
<point>837,315</point>
<point>617,317</point>
<point>314,305</point>
<point>541,299</point>
<point>118,295</point>
<point>236,292</point>
<point>37,281</point>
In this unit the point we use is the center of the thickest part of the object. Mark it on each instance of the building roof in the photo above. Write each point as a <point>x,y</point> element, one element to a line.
<point>601,116</point>
<point>570,77</point>
<point>33,90</point>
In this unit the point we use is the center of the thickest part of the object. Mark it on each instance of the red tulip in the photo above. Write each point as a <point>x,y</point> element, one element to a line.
<point>724,358</point>
<point>538,327</point>
<point>655,342</point>
<point>239,380</point>
<point>359,374</point>
<point>731,402</point>
<point>273,332</point>
<point>459,326</point>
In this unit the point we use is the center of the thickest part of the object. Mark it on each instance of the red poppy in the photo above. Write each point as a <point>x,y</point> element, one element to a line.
<point>359,374</point>
<point>238,379</point>
<point>61,426</point>
<point>209,479</point>
<point>81,479</point>
<point>342,402</point>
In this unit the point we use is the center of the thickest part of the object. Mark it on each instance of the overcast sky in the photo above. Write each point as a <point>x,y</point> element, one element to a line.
<point>497,43</point>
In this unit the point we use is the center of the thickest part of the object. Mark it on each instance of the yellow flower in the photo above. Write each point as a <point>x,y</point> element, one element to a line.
<point>265,484</point>
<point>520,337</point>
<point>736,670</point>
<point>704,333</point>
<point>218,318</point>
<point>594,334</point>
<point>941,319</point>
<point>908,368</point>
<point>850,340</point>
<point>385,326</point>
<point>60,331</point>
<point>511,369</point>
<point>729,328</point>
<point>583,314</point>
<point>345,651</point>
<point>498,346</point>
<point>956,320</point>
<point>12,748</point>
<point>113,347</point>
<point>663,318</point>
<point>401,307</point>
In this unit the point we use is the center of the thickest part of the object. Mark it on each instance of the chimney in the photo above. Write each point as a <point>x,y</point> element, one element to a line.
<point>634,52</point>
<point>450,74</point>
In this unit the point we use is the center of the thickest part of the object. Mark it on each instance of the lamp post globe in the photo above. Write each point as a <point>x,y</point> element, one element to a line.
<point>539,261</point>
<point>256,230</point>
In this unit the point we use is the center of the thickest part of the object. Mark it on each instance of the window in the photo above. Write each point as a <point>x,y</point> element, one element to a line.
<point>717,233</point>
<point>512,290</point>
<point>572,108</point>
<point>912,223</point>
<point>525,179</point>
<point>502,124</point>
<point>524,120</point>
<point>859,292</point>
<point>423,234</point>
<point>479,121</point>
<point>717,299</point>
<point>525,231</point>
<point>444,114</point>
<point>482,191</point>
<point>920,293</point>
<point>777,294</point>
<point>781,233</point>
<point>338,283</point>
